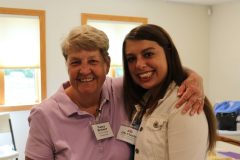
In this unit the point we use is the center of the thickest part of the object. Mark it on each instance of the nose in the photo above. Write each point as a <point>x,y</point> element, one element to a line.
<point>84,69</point>
<point>140,63</point>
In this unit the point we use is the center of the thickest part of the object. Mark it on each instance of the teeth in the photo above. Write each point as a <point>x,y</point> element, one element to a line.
<point>85,79</point>
<point>145,75</point>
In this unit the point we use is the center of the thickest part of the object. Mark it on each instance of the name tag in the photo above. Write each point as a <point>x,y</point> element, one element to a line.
<point>102,130</point>
<point>127,134</point>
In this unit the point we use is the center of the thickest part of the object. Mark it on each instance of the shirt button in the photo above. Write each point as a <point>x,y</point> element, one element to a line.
<point>140,129</point>
<point>156,124</point>
<point>136,150</point>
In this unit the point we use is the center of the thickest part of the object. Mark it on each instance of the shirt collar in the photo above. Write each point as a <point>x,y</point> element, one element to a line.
<point>68,107</point>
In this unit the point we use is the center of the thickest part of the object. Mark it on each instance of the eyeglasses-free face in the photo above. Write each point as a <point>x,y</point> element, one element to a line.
<point>146,62</point>
<point>87,71</point>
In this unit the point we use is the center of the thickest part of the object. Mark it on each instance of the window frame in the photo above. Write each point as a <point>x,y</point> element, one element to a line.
<point>41,15</point>
<point>89,16</point>
<point>103,17</point>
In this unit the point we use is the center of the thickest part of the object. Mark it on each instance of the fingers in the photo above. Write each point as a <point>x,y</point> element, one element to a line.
<point>186,108</point>
<point>201,104</point>
<point>191,95</point>
<point>185,97</point>
<point>193,100</point>
<point>197,106</point>
<point>194,105</point>
<point>189,105</point>
<point>182,89</point>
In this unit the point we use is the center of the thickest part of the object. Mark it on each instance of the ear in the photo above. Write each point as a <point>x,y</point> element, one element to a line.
<point>108,63</point>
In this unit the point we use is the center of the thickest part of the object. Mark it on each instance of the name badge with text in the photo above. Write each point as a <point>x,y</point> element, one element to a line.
<point>102,130</point>
<point>127,134</point>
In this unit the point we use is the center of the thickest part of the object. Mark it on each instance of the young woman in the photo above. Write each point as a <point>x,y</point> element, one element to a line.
<point>153,74</point>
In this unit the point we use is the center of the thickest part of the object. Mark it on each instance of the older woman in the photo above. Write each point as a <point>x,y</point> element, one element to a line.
<point>81,120</point>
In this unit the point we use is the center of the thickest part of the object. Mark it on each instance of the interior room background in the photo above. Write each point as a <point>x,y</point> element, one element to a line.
<point>207,38</point>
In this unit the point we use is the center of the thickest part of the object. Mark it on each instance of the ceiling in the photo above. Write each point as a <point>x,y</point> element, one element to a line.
<point>202,2</point>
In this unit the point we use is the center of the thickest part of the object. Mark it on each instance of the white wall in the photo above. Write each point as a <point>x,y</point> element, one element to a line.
<point>20,128</point>
<point>187,24</point>
<point>224,81</point>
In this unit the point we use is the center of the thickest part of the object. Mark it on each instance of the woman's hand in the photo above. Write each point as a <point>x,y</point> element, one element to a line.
<point>191,93</point>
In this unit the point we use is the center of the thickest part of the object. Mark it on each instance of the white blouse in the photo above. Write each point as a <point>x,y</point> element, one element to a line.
<point>167,134</point>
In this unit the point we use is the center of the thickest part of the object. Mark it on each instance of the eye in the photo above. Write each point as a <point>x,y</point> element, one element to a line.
<point>148,54</point>
<point>130,59</point>
<point>93,61</point>
<point>75,62</point>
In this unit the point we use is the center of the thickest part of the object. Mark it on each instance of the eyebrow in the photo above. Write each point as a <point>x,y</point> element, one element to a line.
<point>73,58</point>
<point>77,58</point>
<point>144,50</point>
<point>149,48</point>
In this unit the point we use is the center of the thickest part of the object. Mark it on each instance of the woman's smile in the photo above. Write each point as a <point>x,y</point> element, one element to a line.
<point>85,79</point>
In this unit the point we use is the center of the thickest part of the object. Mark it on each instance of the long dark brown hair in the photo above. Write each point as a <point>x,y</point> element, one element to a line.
<point>133,93</point>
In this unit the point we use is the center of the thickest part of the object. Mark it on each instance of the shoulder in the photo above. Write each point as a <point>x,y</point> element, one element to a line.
<point>167,104</point>
<point>116,84</point>
<point>49,106</point>
<point>114,81</point>
<point>42,110</point>
<point>175,114</point>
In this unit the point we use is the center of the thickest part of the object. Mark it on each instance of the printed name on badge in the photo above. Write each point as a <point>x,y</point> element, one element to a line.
<point>127,134</point>
<point>102,130</point>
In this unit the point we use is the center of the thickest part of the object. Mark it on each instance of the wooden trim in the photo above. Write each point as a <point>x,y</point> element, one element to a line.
<point>228,140</point>
<point>15,108</point>
<point>17,11</point>
<point>87,16</point>
<point>43,54</point>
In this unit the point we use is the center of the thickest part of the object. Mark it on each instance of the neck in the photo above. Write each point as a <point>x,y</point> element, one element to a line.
<point>86,102</point>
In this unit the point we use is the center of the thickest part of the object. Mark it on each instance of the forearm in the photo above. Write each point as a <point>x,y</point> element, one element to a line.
<point>188,71</point>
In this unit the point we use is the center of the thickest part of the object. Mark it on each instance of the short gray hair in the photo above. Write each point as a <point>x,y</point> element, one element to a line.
<point>85,37</point>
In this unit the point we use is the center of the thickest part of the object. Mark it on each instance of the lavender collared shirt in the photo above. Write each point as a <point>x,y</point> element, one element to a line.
<point>60,130</point>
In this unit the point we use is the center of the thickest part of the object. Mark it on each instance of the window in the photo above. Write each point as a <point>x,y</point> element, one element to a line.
<point>22,58</point>
<point>116,28</point>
